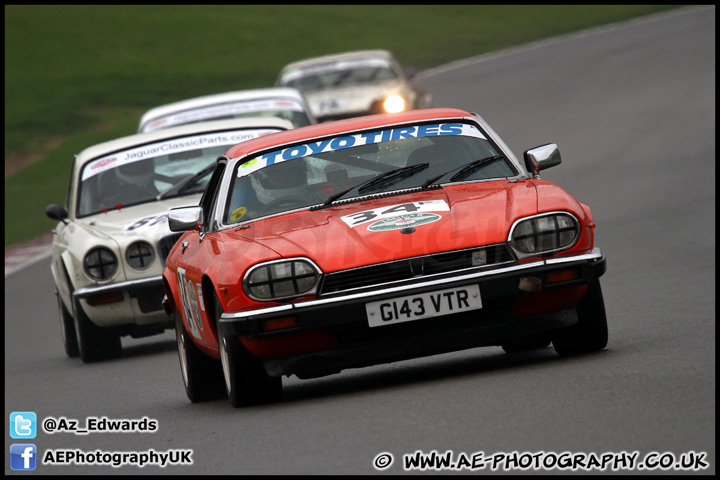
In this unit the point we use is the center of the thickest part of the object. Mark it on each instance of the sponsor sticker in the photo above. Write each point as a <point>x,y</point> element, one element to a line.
<point>230,109</point>
<point>166,147</point>
<point>334,66</point>
<point>397,211</point>
<point>403,221</point>
<point>357,140</point>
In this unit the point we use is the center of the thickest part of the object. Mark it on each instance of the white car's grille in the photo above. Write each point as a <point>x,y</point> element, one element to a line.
<point>166,243</point>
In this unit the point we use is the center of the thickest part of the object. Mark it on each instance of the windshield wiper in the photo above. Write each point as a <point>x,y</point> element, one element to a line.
<point>393,174</point>
<point>179,188</point>
<point>465,170</point>
<point>379,178</point>
<point>473,166</point>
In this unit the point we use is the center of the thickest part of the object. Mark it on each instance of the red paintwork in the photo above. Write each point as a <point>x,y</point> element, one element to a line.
<point>290,344</point>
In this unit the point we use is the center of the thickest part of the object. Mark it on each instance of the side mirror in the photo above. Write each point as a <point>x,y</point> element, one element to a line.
<point>542,158</point>
<point>56,212</point>
<point>185,218</point>
<point>409,72</point>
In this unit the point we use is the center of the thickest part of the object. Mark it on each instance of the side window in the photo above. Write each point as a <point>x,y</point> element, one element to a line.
<point>208,202</point>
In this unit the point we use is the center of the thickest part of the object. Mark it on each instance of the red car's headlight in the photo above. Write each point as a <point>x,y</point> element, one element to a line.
<point>281,279</point>
<point>544,233</point>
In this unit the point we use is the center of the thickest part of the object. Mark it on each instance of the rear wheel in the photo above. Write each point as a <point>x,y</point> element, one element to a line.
<point>67,328</point>
<point>95,343</point>
<point>590,334</point>
<point>202,375</point>
<point>246,381</point>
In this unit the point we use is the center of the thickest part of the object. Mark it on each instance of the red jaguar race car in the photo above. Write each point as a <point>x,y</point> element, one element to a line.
<point>373,240</point>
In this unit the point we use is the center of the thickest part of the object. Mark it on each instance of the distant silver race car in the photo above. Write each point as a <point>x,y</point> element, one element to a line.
<point>354,84</point>
<point>112,239</point>
<point>285,103</point>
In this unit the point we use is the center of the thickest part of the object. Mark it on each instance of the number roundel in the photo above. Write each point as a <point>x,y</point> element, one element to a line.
<point>191,302</point>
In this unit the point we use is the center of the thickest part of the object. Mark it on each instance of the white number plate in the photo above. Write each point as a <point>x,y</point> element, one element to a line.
<point>425,305</point>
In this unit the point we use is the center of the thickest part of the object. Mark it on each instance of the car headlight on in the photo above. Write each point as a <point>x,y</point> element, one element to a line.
<point>140,255</point>
<point>544,233</point>
<point>281,279</point>
<point>394,104</point>
<point>100,263</point>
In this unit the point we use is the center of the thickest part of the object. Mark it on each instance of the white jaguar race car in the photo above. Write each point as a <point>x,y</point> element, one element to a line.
<point>112,239</point>
<point>354,84</point>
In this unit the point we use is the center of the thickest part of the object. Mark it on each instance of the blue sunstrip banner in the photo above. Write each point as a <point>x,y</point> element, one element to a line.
<point>356,140</point>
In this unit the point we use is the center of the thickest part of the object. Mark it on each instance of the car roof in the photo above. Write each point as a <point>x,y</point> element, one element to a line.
<point>214,99</point>
<point>338,56</point>
<point>341,126</point>
<point>179,131</point>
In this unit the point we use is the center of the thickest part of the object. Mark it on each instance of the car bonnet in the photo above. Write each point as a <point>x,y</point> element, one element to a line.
<point>362,233</point>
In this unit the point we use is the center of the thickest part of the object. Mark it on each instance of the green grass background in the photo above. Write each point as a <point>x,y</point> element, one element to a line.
<point>80,75</point>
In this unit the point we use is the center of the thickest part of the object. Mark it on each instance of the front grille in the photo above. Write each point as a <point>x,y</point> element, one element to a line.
<point>149,299</point>
<point>413,269</point>
<point>166,243</point>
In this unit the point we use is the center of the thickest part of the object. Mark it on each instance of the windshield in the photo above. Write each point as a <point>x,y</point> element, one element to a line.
<point>143,173</point>
<point>335,169</point>
<point>339,74</point>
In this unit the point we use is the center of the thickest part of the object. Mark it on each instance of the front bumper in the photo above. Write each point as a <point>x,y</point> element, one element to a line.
<point>133,302</point>
<point>507,312</point>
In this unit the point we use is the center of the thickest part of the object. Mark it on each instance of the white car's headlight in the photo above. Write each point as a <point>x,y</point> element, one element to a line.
<point>394,104</point>
<point>281,279</point>
<point>544,233</point>
<point>140,255</point>
<point>100,263</point>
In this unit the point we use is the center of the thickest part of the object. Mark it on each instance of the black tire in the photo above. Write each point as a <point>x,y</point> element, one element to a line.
<point>95,343</point>
<point>246,381</point>
<point>202,375</point>
<point>67,329</point>
<point>590,334</point>
<point>525,344</point>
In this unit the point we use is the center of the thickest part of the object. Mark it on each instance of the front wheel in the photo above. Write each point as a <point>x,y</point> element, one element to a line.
<point>67,329</point>
<point>246,381</point>
<point>525,344</point>
<point>95,343</point>
<point>590,334</point>
<point>202,375</point>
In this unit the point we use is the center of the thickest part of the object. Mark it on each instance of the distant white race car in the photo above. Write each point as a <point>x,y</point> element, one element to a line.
<point>285,103</point>
<point>112,239</point>
<point>353,84</point>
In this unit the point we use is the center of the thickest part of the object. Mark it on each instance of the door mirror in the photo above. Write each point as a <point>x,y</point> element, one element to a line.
<point>185,218</point>
<point>56,212</point>
<point>542,158</point>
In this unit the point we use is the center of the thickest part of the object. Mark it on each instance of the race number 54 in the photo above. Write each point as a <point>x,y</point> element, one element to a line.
<point>191,301</point>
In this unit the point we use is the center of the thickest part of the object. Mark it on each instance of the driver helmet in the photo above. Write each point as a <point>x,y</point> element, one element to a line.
<point>288,178</point>
<point>135,173</point>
